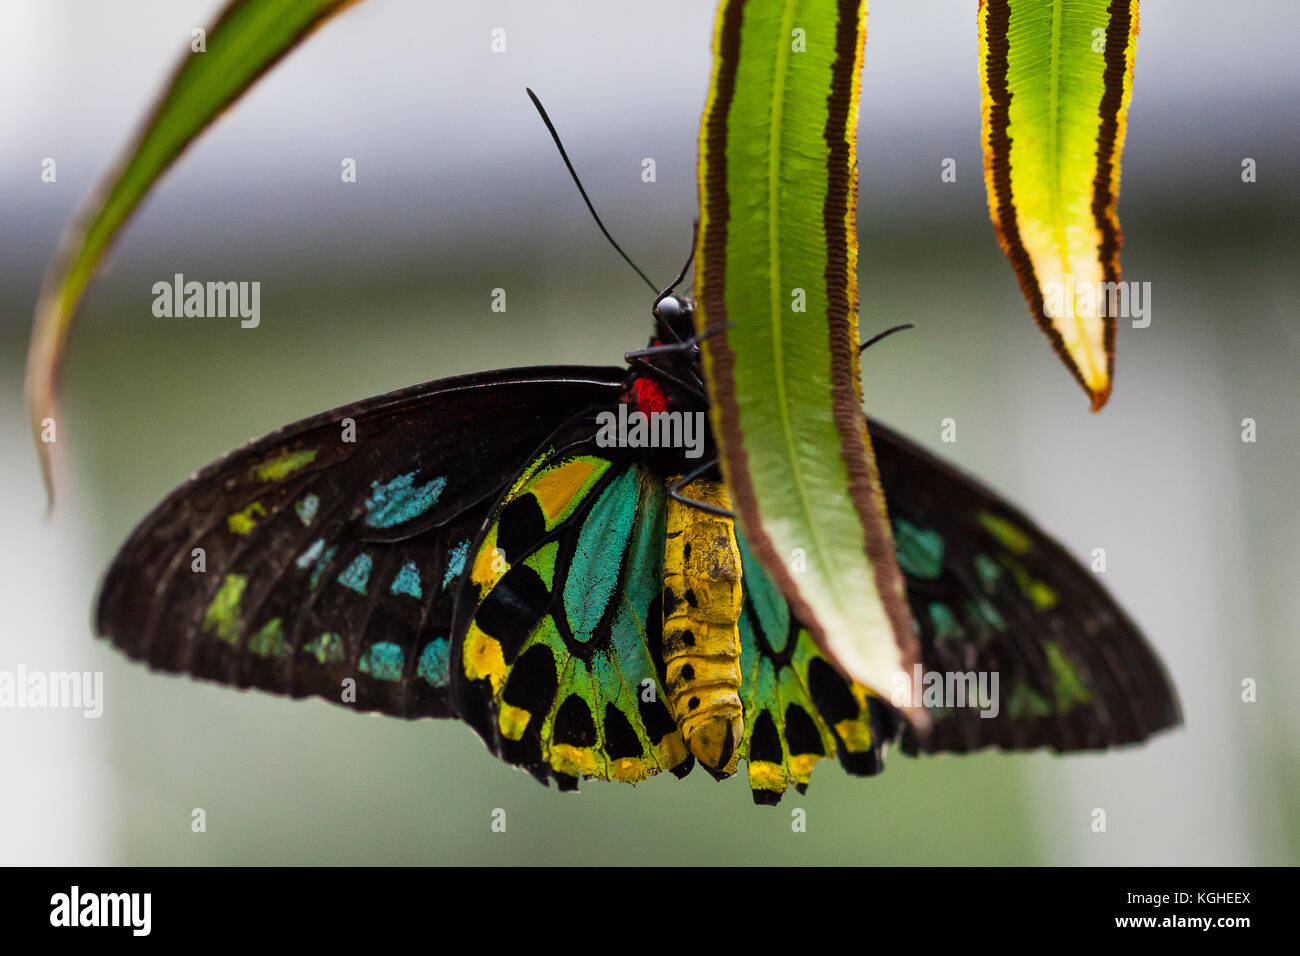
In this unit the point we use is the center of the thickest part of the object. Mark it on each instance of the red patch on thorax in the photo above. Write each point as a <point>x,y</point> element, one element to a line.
<point>649,397</point>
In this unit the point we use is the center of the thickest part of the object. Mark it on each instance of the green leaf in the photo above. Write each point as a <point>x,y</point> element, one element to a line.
<point>776,289</point>
<point>1057,76</point>
<point>249,37</point>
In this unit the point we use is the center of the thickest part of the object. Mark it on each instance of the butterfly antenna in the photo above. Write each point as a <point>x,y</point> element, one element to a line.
<point>880,335</point>
<point>574,173</point>
<point>681,276</point>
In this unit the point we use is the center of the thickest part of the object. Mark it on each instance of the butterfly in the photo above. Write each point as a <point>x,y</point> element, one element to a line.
<point>478,547</point>
<point>549,555</point>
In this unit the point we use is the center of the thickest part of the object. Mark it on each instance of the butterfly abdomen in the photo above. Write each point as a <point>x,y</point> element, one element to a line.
<point>701,640</point>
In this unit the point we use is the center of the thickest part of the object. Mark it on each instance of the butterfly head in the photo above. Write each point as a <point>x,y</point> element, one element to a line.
<point>674,318</point>
<point>673,361</point>
<point>667,375</point>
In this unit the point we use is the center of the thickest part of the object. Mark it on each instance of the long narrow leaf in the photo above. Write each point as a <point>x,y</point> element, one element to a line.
<point>249,37</point>
<point>1057,76</point>
<point>776,286</point>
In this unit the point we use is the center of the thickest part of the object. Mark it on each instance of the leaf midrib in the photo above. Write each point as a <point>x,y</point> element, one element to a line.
<point>774,255</point>
<point>1054,152</point>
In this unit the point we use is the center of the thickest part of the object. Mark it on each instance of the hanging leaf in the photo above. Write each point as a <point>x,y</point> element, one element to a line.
<point>1057,76</point>
<point>776,291</point>
<point>249,37</point>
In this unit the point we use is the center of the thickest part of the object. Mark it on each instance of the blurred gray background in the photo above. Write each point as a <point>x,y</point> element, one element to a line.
<point>370,286</point>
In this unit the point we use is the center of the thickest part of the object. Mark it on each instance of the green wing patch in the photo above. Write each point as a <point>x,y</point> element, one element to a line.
<point>560,665</point>
<point>798,708</point>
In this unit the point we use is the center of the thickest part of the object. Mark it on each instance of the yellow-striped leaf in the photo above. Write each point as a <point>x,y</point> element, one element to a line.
<point>249,37</point>
<point>1057,76</point>
<point>776,291</point>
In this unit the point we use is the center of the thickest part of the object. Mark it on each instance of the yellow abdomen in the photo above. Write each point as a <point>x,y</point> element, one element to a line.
<point>701,640</point>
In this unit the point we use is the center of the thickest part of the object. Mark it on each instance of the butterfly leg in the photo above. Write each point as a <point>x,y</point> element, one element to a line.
<point>681,276</point>
<point>673,348</point>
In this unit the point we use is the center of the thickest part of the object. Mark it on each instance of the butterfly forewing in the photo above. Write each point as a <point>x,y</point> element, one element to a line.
<point>332,549</point>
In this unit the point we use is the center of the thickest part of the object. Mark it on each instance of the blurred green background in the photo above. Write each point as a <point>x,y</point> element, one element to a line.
<point>385,282</point>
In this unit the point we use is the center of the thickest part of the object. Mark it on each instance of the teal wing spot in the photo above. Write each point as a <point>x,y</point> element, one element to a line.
<point>356,576</point>
<point>455,563</point>
<point>309,557</point>
<point>407,581</point>
<point>434,664</point>
<point>919,552</point>
<point>989,572</point>
<point>987,613</point>
<point>382,661</point>
<point>400,500</point>
<point>322,563</point>
<point>306,508</point>
<point>946,625</point>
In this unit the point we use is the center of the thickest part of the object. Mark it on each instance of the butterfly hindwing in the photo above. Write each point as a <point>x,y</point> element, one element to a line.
<point>332,549</point>
<point>560,665</point>
<point>992,594</point>
<point>558,661</point>
<point>798,708</point>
